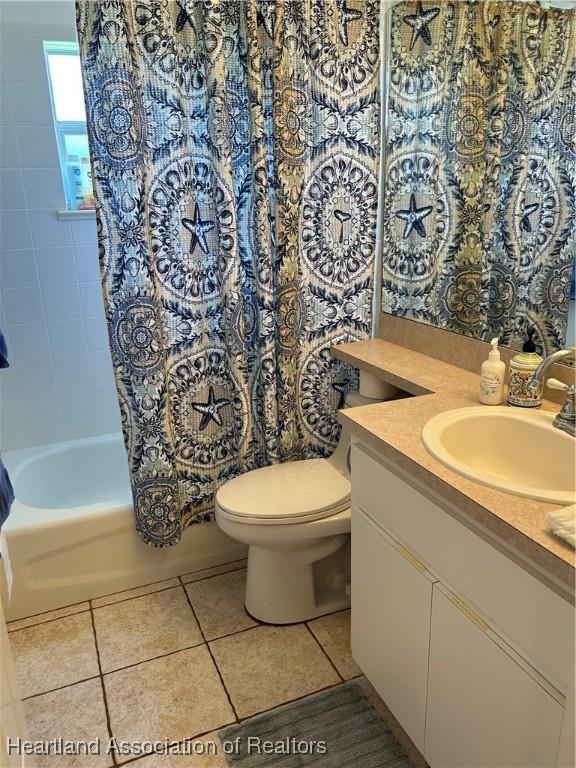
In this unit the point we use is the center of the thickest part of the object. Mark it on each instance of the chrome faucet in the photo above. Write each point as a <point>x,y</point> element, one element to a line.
<point>566,418</point>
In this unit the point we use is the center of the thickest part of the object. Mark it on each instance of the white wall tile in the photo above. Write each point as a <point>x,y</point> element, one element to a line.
<point>84,232</point>
<point>35,18</point>
<point>12,190</point>
<point>10,412</point>
<point>61,302</point>
<point>43,434</point>
<point>101,425</point>
<point>28,340</point>
<point>56,265</point>
<point>8,382</point>
<point>75,403</point>
<point>44,188</point>
<point>101,364</point>
<point>5,112</point>
<point>87,263</point>
<point>37,147</point>
<point>34,376</point>
<point>92,300</point>
<point>18,269</point>
<point>60,383</point>
<point>47,230</point>
<point>8,148</point>
<point>38,409</point>
<point>66,337</point>
<point>105,400</point>
<point>72,371</point>
<point>96,333</point>
<point>14,230</point>
<point>29,103</point>
<point>22,60</point>
<point>22,305</point>
<point>14,439</point>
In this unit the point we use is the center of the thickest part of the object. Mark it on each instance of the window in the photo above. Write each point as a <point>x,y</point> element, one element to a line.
<point>65,79</point>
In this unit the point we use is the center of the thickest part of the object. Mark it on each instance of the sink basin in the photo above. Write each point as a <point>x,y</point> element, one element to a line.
<point>515,451</point>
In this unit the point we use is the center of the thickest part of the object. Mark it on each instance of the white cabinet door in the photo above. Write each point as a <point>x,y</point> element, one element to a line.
<point>391,602</point>
<point>484,709</point>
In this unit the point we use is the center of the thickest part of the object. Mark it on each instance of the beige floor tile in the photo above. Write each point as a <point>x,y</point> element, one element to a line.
<point>75,713</point>
<point>54,654</point>
<point>145,627</point>
<point>175,697</point>
<point>219,604</point>
<point>333,634</point>
<point>267,666</point>
<point>40,618</point>
<point>136,592</point>
<point>217,569</point>
<point>205,752</point>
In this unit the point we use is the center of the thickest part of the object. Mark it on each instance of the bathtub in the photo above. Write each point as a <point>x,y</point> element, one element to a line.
<point>71,536</point>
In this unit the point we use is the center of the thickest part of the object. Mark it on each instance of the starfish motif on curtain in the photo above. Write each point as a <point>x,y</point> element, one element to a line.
<point>526,224</point>
<point>198,229</point>
<point>184,17</point>
<point>211,410</point>
<point>346,16</point>
<point>340,387</point>
<point>414,218</point>
<point>419,22</point>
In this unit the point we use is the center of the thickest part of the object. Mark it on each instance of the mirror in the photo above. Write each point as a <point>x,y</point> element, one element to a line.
<point>479,168</point>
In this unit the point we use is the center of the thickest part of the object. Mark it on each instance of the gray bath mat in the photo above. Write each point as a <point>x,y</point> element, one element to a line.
<point>335,729</point>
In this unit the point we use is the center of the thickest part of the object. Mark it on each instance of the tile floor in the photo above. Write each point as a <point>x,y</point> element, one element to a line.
<point>175,661</point>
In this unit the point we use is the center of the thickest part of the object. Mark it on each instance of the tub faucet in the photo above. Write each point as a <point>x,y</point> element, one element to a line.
<point>566,418</point>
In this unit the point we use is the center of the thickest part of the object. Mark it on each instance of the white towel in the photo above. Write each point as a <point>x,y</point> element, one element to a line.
<point>562,522</point>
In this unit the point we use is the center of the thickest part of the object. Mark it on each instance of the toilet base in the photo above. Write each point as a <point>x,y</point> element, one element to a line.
<point>289,586</point>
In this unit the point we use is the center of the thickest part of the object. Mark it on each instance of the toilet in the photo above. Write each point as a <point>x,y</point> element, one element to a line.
<point>295,519</point>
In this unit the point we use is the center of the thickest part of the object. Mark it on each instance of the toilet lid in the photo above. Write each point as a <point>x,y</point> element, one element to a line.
<point>295,491</point>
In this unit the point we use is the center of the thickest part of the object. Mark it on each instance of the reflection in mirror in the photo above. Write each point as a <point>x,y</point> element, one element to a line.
<point>479,169</point>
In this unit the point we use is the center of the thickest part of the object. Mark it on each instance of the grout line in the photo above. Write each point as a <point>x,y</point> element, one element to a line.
<point>214,575</point>
<point>240,721</point>
<point>154,658</point>
<point>204,641</point>
<point>103,687</point>
<point>60,687</point>
<point>319,644</point>
<point>134,597</point>
<point>111,594</point>
<point>49,621</point>
<point>211,654</point>
<point>44,613</point>
<point>187,739</point>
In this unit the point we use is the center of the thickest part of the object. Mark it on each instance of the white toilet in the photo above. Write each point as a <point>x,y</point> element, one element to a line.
<point>295,517</point>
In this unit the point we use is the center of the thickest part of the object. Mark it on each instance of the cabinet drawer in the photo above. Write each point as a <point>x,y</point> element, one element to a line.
<point>484,709</point>
<point>391,601</point>
<point>529,615</point>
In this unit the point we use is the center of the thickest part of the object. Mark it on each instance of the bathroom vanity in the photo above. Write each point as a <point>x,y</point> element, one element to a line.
<point>462,602</point>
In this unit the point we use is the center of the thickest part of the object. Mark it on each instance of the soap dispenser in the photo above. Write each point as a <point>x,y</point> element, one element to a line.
<point>522,368</point>
<point>492,377</point>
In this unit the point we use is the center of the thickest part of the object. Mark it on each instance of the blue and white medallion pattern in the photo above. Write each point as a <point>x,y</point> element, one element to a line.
<point>480,191</point>
<point>234,149</point>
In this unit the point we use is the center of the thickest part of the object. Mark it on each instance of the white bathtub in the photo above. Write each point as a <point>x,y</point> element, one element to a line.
<point>71,536</point>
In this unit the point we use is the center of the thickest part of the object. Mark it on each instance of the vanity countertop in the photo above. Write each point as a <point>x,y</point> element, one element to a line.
<point>393,428</point>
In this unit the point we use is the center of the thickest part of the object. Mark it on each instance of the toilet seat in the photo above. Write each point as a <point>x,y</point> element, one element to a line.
<point>293,492</point>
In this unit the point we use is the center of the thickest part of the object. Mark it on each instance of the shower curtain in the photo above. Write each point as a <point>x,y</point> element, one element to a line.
<point>234,150</point>
<point>480,176</point>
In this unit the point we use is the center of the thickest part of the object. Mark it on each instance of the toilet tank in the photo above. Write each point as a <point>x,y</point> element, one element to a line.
<point>339,458</point>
